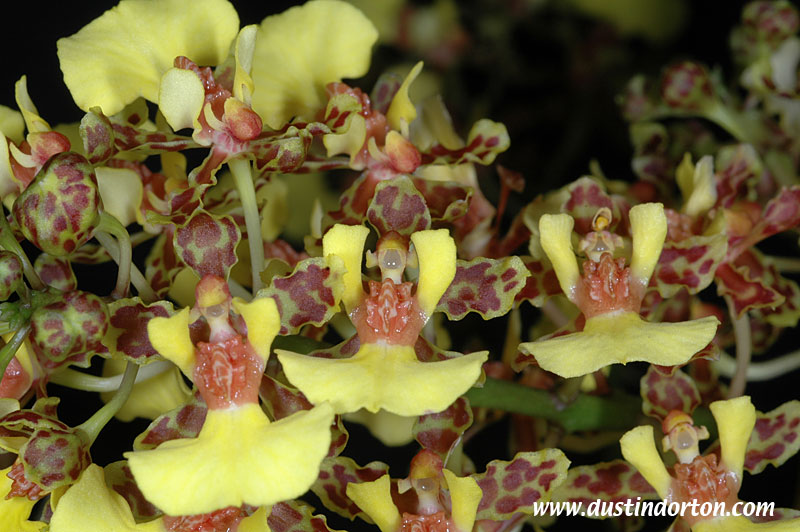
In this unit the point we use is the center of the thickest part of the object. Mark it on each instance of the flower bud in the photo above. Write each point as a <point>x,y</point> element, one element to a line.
<point>10,274</point>
<point>770,22</point>
<point>74,323</point>
<point>687,86</point>
<point>59,210</point>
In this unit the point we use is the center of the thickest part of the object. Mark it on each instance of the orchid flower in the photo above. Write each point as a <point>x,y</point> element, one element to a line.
<point>609,295</point>
<point>697,477</point>
<point>264,462</point>
<point>385,373</point>
<point>445,501</point>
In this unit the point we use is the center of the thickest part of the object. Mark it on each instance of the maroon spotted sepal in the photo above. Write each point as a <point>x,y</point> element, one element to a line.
<point>309,295</point>
<point>611,482</point>
<point>439,432</point>
<point>398,206</point>
<point>59,211</point>
<point>182,422</point>
<point>663,393</point>
<point>775,438</point>
<point>296,516</point>
<point>207,244</point>
<point>120,479</point>
<point>516,486</point>
<point>334,476</point>
<point>127,328</point>
<point>485,286</point>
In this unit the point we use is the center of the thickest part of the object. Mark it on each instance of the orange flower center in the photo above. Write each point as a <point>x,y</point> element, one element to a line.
<point>228,373</point>
<point>606,287</point>
<point>436,522</point>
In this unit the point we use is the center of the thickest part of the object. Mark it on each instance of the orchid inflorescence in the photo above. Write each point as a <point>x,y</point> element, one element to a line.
<point>252,345</point>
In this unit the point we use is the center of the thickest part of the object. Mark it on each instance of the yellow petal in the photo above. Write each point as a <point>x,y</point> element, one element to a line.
<point>465,495</point>
<point>262,320</point>
<point>648,231</point>
<point>243,53</point>
<point>402,111</point>
<point>170,337</point>
<point>735,421</point>
<point>349,142</point>
<point>34,122</point>
<point>256,522</point>
<point>12,125</point>
<point>91,505</point>
<point>150,398</point>
<point>180,98</point>
<point>619,339</point>
<point>639,448</point>
<point>14,512</point>
<point>121,192</point>
<point>122,54</point>
<point>435,127</point>
<point>183,287</point>
<point>9,189</point>
<point>301,50</point>
<point>392,430</point>
<point>436,253</point>
<point>254,461</point>
<point>375,499</point>
<point>383,377</point>
<point>347,242</point>
<point>274,195</point>
<point>555,237</point>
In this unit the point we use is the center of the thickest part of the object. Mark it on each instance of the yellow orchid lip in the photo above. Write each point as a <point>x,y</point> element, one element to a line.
<point>255,462</point>
<point>388,377</point>
<point>619,338</point>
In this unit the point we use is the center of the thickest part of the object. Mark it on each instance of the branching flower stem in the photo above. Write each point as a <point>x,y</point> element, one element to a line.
<point>243,177</point>
<point>92,426</point>
<point>744,350</point>
<point>124,255</point>
<point>136,278</point>
<point>760,371</point>
<point>92,383</point>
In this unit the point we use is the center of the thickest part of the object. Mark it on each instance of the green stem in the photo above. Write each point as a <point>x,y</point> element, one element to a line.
<point>760,371</point>
<point>243,177</point>
<point>586,412</point>
<point>92,383</point>
<point>744,350</point>
<point>136,277</point>
<point>124,258</point>
<point>9,243</point>
<point>728,120</point>
<point>10,349</point>
<point>786,264</point>
<point>92,426</point>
